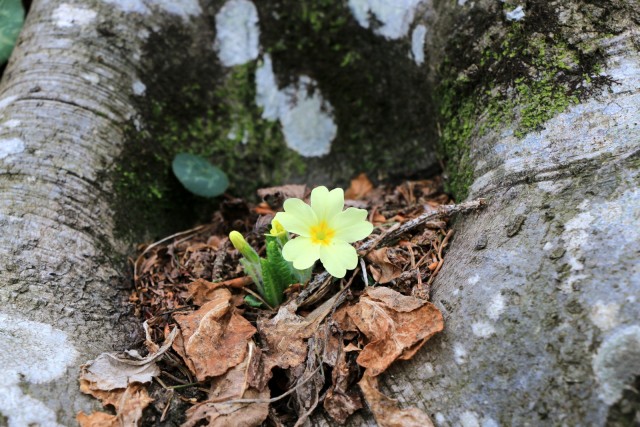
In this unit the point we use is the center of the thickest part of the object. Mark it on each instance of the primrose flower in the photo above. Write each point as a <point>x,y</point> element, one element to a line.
<point>324,231</point>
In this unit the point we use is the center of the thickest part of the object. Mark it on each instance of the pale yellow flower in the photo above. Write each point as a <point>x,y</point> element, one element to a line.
<point>324,231</point>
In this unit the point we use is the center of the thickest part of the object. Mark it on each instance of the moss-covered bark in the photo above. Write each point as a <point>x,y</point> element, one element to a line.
<point>195,104</point>
<point>495,74</point>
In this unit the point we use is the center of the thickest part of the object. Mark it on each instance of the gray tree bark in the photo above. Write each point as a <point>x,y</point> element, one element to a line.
<point>540,290</point>
<point>65,98</point>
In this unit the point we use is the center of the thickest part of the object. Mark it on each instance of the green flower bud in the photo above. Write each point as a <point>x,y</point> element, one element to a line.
<point>243,247</point>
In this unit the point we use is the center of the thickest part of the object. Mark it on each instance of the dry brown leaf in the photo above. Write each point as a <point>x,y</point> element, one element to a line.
<point>213,338</point>
<point>202,291</point>
<point>230,414</point>
<point>129,404</point>
<point>341,399</point>
<point>395,325</point>
<point>360,187</point>
<point>385,270</point>
<point>286,333</point>
<point>386,411</point>
<point>275,196</point>
<point>97,419</point>
<point>112,370</point>
<point>106,397</point>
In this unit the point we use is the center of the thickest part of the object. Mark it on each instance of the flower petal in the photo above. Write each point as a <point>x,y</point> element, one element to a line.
<point>327,204</point>
<point>298,217</point>
<point>351,225</point>
<point>301,252</point>
<point>338,257</point>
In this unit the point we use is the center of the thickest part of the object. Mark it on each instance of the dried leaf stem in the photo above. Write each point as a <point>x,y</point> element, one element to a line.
<point>395,232</point>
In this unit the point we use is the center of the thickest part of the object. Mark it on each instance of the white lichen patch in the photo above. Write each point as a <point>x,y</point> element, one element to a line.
<point>91,78</point>
<point>237,33</point>
<point>138,88</point>
<point>469,419</point>
<point>417,43</point>
<point>11,146</point>
<point>516,14</point>
<point>67,15</point>
<point>459,353</point>
<point>605,316</point>
<point>440,419</point>
<point>482,329</point>
<point>10,124</point>
<point>473,279</point>
<point>553,187</point>
<point>4,102</point>
<point>307,121</point>
<point>617,363</point>
<point>489,422</point>
<point>426,371</point>
<point>618,217</point>
<point>306,118</point>
<point>395,16</point>
<point>36,353</point>
<point>183,8</point>
<point>496,306</point>
<point>267,93</point>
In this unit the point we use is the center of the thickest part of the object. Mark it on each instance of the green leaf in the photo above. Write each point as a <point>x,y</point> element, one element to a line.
<point>272,294</point>
<point>11,20</point>
<point>280,268</point>
<point>199,176</point>
<point>252,301</point>
<point>253,270</point>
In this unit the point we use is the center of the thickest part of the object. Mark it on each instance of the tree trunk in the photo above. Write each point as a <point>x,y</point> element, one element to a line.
<point>66,96</point>
<point>540,290</point>
<point>537,111</point>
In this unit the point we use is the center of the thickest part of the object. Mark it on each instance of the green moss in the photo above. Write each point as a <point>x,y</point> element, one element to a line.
<point>525,75</point>
<point>356,70</point>
<point>219,122</point>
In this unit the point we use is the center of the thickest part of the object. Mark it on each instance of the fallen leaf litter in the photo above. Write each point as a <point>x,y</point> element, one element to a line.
<point>222,363</point>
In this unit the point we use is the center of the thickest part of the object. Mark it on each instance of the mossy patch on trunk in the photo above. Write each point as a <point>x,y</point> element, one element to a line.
<point>518,74</point>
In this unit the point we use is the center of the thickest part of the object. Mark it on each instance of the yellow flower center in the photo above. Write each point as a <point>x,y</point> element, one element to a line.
<point>321,234</point>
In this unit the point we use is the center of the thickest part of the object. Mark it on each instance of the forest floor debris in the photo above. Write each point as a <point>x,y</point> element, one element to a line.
<point>223,363</point>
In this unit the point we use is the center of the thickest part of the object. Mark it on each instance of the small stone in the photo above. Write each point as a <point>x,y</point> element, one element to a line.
<point>481,243</point>
<point>514,227</point>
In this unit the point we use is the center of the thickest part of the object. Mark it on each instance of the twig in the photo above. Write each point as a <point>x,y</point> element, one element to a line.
<point>154,244</point>
<point>365,277</point>
<point>313,286</point>
<point>440,258</point>
<point>166,408</point>
<point>442,211</point>
<point>273,399</point>
<point>258,297</point>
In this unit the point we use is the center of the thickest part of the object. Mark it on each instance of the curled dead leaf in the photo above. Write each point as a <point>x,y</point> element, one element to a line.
<point>275,196</point>
<point>360,187</point>
<point>386,411</point>
<point>383,270</point>
<point>214,338</point>
<point>219,410</point>
<point>285,335</point>
<point>341,399</point>
<point>97,419</point>
<point>129,404</point>
<point>220,414</point>
<point>113,370</point>
<point>395,325</point>
<point>202,291</point>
